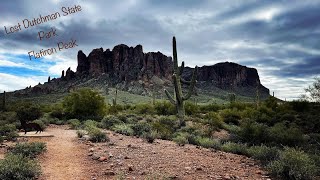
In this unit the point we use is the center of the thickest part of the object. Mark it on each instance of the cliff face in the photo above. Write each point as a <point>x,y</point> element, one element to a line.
<point>125,63</point>
<point>130,69</point>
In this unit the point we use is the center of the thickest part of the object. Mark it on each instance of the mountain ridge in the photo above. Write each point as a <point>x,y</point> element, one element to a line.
<point>130,69</point>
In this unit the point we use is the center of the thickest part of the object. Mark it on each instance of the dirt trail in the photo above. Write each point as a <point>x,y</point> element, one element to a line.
<point>64,158</point>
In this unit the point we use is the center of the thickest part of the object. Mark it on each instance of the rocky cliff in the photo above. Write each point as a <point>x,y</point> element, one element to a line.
<point>130,69</point>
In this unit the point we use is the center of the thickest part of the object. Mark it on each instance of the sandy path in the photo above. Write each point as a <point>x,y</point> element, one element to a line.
<point>64,158</point>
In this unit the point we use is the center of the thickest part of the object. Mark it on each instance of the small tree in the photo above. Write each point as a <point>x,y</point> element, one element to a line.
<point>27,111</point>
<point>314,91</point>
<point>84,103</point>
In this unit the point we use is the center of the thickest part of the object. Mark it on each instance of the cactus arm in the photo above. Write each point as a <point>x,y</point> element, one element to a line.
<point>183,81</point>
<point>193,83</point>
<point>170,97</point>
<point>181,68</point>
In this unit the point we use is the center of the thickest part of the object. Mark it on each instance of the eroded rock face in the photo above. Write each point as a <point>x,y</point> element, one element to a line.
<point>125,63</point>
<point>228,76</point>
<point>130,69</point>
<point>83,63</point>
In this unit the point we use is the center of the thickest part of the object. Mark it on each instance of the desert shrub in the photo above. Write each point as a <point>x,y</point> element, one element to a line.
<point>211,107</point>
<point>191,108</point>
<point>181,139</point>
<point>236,148</point>
<point>7,118</point>
<point>18,167</point>
<point>150,136</point>
<point>293,164</point>
<point>88,124</point>
<point>74,123</point>
<point>144,109</point>
<point>1,139</point>
<point>84,103</point>
<point>40,123</point>
<point>123,129</point>
<point>164,108</point>
<point>140,127</point>
<point>80,133</point>
<point>30,150</point>
<point>165,126</point>
<point>109,121</point>
<point>8,131</point>
<point>286,134</point>
<point>230,116</point>
<point>214,120</point>
<point>253,132</point>
<point>28,111</point>
<point>59,122</point>
<point>300,105</point>
<point>57,111</point>
<point>114,109</point>
<point>208,142</point>
<point>96,135</point>
<point>263,153</point>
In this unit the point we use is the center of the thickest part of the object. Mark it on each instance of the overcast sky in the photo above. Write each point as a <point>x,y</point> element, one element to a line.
<point>278,38</point>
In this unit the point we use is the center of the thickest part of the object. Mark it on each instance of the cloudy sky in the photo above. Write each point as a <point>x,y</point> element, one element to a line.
<point>280,38</point>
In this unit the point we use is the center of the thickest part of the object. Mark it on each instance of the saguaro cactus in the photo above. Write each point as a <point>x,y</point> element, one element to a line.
<point>4,100</point>
<point>258,94</point>
<point>114,100</point>
<point>179,99</point>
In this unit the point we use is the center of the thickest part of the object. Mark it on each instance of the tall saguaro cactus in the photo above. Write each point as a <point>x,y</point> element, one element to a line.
<point>4,101</point>
<point>179,98</point>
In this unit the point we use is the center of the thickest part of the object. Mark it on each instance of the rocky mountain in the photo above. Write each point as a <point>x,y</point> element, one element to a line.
<point>132,70</point>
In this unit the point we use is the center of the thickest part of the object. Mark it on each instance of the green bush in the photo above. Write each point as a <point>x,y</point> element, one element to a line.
<point>191,108</point>
<point>30,150</point>
<point>231,116</point>
<point>293,164</point>
<point>144,109</point>
<point>150,136</point>
<point>7,118</point>
<point>263,153</point>
<point>284,134</point>
<point>109,121</point>
<point>208,142</point>
<point>28,111</point>
<point>180,140</point>
<point>123,129</point>
<point>211,107</point>
<point>1,139</point>
<point>164,108</point>
<point>88,124</point>
<point>8,131</point>
<point>57,111</point>
<point>18,167</point>
<point>214,120</point>
<point>96,135</point>
<point>165,126</point>
<point>80,133</point>
<point>235,148</point>
<point>84,103</point>
<point>252,132</point>
<point>140,127</point>
<point>114,109</point>
<point>74,123</point>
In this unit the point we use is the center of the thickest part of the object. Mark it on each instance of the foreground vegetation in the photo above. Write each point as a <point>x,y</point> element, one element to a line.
<point>283,136</point>
<point>20,162</point>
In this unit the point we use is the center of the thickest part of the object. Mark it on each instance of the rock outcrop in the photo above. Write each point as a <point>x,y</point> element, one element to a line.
<point>125,63</point>
<point>228,76</point>
<point>130,69</point>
